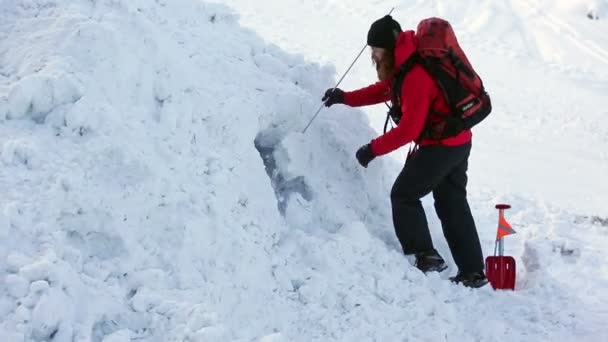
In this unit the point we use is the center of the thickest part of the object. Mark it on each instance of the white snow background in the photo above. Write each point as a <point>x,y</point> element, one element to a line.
<point>155,184</point>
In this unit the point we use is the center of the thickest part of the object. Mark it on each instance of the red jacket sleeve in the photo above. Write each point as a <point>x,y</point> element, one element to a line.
<point>375,93</point>
<point>417,95</point>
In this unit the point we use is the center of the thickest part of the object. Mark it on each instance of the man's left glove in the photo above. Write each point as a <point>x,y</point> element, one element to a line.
<point>333,96</point>
<point>365,155</point>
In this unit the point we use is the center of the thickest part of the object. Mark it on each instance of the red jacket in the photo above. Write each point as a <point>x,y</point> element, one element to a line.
<point>418,93</point>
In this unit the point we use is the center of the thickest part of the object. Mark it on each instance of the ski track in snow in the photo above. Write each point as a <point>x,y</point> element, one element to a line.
<point>156,186</point>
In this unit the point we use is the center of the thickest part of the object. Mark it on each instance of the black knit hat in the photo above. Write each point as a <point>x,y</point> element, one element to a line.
<point>382,33</point>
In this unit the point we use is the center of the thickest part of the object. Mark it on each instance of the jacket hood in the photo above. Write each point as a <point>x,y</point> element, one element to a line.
<point>404,47</point>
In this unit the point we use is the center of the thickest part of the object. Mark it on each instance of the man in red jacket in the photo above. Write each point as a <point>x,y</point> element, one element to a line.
<point>437,166</point>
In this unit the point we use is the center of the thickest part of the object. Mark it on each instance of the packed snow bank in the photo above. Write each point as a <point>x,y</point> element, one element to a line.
<point>135,204</point>
<point>156,187</point>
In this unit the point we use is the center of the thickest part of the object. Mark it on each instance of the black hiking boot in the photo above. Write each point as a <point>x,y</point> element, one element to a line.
<point>430,261</point>
<point>473,280</point>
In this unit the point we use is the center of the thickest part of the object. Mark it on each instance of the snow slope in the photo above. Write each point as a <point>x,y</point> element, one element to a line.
<point>157,186</point>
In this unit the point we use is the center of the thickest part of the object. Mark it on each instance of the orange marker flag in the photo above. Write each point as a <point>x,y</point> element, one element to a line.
<point>504,229</point>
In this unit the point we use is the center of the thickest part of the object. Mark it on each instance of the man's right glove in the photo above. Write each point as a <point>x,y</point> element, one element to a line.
<point>333,96</point>
<point>365,155</point>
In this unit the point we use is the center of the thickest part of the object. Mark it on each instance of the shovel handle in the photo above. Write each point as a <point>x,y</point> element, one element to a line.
<point>500,242</point>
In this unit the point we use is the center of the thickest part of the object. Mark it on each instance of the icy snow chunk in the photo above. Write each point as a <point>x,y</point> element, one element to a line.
<point>209,334</point>
<point>287,187</point>
<point>85,117</point>
<point>283,280</point>
<point>272,338</point>
<point>19,152</point>
<point>39,286</point>
<point>313,289</point>
<point>48,314</point>
<point>98,245</point>
<point>36,95</point>
<point>153,278</point>
<point>204,326</point>
<point>6,306</point>
<point>294,207</point>
<point>267,140</point>
<point>306,77</point>
<point>270,64</point>
<point>123,335</point>
<point>144,300</point>
<point>356,234</point>
<point>22,314</point>
<point>17,286</point>
<point>36,271</point>
<point>30,300</point>
<point>14,215</point>
<point>199,319</point>
<point>15,261</point>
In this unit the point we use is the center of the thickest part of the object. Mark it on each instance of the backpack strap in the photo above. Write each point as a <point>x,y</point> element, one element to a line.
<point>394,112</point>
<point>433,68</point>
<point>388,117</point>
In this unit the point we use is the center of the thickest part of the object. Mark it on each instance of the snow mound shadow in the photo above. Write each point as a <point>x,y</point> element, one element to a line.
<point>266,142</point>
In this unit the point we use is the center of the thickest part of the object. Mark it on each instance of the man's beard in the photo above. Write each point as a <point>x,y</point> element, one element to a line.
<point>384,69</point>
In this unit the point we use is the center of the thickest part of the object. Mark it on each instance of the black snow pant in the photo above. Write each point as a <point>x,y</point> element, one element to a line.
<point>442,170</point>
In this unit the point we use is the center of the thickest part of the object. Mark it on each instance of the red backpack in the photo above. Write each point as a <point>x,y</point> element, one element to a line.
<point>441,56</point>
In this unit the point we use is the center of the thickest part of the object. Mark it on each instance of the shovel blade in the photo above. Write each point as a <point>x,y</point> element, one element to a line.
<point>500,271</point>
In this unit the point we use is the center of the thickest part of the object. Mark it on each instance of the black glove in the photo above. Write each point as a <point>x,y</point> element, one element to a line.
<point>333,96</point>
<point>365,155</point>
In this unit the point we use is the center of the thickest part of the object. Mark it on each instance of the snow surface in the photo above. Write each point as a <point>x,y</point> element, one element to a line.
<point>157,186</point>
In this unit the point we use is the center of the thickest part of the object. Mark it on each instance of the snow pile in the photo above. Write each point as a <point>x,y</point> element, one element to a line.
<point>157,187</point>
<point>135,202</point>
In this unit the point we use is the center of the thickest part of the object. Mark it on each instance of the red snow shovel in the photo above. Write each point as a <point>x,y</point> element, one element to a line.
<point>500,269</point>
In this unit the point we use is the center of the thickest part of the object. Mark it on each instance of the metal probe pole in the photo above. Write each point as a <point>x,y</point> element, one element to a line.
<point>340,81</point>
